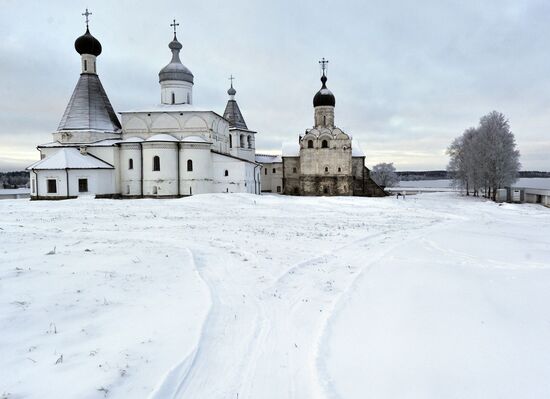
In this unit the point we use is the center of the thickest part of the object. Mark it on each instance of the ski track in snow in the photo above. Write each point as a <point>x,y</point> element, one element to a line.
<point>239,357</point>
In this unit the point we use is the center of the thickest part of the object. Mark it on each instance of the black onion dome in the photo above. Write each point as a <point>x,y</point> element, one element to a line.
<point>231,91</point>
<point>324,97</point>
<point>87,44</point>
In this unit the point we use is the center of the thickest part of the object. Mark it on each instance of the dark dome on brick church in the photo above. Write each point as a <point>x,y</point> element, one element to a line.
<point>324,97</point>
<point>87,44</point>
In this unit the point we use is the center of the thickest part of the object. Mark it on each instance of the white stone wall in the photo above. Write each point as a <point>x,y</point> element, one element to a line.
<point>199,180</point>
<point>165,181</point>
<point>272,177</point>
<point>182,91</point>
<point>130,179</point>
<point>100,182</point>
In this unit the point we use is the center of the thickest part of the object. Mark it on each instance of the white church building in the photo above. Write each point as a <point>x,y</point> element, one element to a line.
<point>171,149</point>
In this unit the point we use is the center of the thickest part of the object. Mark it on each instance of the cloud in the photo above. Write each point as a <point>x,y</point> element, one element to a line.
<point>408,76</point>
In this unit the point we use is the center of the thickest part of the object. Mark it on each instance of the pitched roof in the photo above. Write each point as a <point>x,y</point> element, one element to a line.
<point>268,158</point>
<point>89,107</point>
<point>233,114</point>
<point>70,158</point>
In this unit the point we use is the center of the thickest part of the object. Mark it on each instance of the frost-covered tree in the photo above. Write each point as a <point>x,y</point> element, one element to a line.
<point>384,175</point>
<point>485,158</point>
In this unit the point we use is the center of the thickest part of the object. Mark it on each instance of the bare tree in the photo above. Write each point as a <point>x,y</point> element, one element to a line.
<point>384,175</point>
<point>485,158</point>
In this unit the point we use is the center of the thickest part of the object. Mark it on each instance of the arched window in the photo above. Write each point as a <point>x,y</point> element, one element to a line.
<point>265,171</point>
<point>85,65</point>
<point>325,190</point>
<point>226,173</point>
<point>173,98</point>
<point>324,120</point>
<point>339,169</point>
<point>230,141</point>
<point>274,170</point>
<point>130,163</point>
<point>249,141</point>
<point>310,144</point>
<point>242,140</point>
<point>156,163</point>
<point>326,168</point>
<point>324,144</point>
<point>189,165</point>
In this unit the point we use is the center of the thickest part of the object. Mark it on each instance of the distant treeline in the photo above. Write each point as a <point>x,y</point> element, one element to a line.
<point>443,174</point>
<point>14,179</point>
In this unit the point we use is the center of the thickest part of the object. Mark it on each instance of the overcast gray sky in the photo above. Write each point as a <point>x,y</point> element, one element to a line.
<point>408,76</point>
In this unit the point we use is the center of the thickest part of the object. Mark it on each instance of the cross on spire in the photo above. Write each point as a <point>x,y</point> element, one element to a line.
<point>231,78</point>
<point>323,64</point>
<point>174,24</point>
<point>87,14</point>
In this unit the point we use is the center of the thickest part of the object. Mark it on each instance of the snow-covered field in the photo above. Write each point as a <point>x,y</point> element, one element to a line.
<point>242,296</point>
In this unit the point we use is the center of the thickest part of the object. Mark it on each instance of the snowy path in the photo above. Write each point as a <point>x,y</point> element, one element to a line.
<point>261,338</point>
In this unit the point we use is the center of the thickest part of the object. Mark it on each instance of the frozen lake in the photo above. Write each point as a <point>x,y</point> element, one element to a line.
<point>527,182</point>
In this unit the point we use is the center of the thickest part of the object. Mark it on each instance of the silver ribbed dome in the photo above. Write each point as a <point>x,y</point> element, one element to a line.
<point>175,70</point>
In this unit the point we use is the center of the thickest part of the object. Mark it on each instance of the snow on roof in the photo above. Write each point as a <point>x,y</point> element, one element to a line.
<point>169,108</point>
<point>195,139</point>
<point>132,139</point>
<point>291,149</point>
<point>268,158</point>
<point>70,158</point>
<point>101,143</point>
<point>162,137</point>
<point>356,150</point>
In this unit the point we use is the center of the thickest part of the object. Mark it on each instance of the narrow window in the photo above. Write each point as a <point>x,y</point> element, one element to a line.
<point>230,141</point>
<point>324,120</point>
<point>130,163</point>
<point>249,141</point>
<point>82,185</point>
<point>310,144</point>
<point>128,190</point>
<point>324,144</point>
<point>325,190</point>
<point>265,171</point>
<point>274,170</point>
<point>189,165</point>
<point>294,170</point>
<point>52,186</point>
<point>85,65</point>
<point>326,168</point>
<point>242,140</point>
<point>190,191</point>
<point>173,98</point>
<point>155,190</point>
<point>339,169</point>
<point>156,163</point>
<point>226,173</point>
<point>278,189</point>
